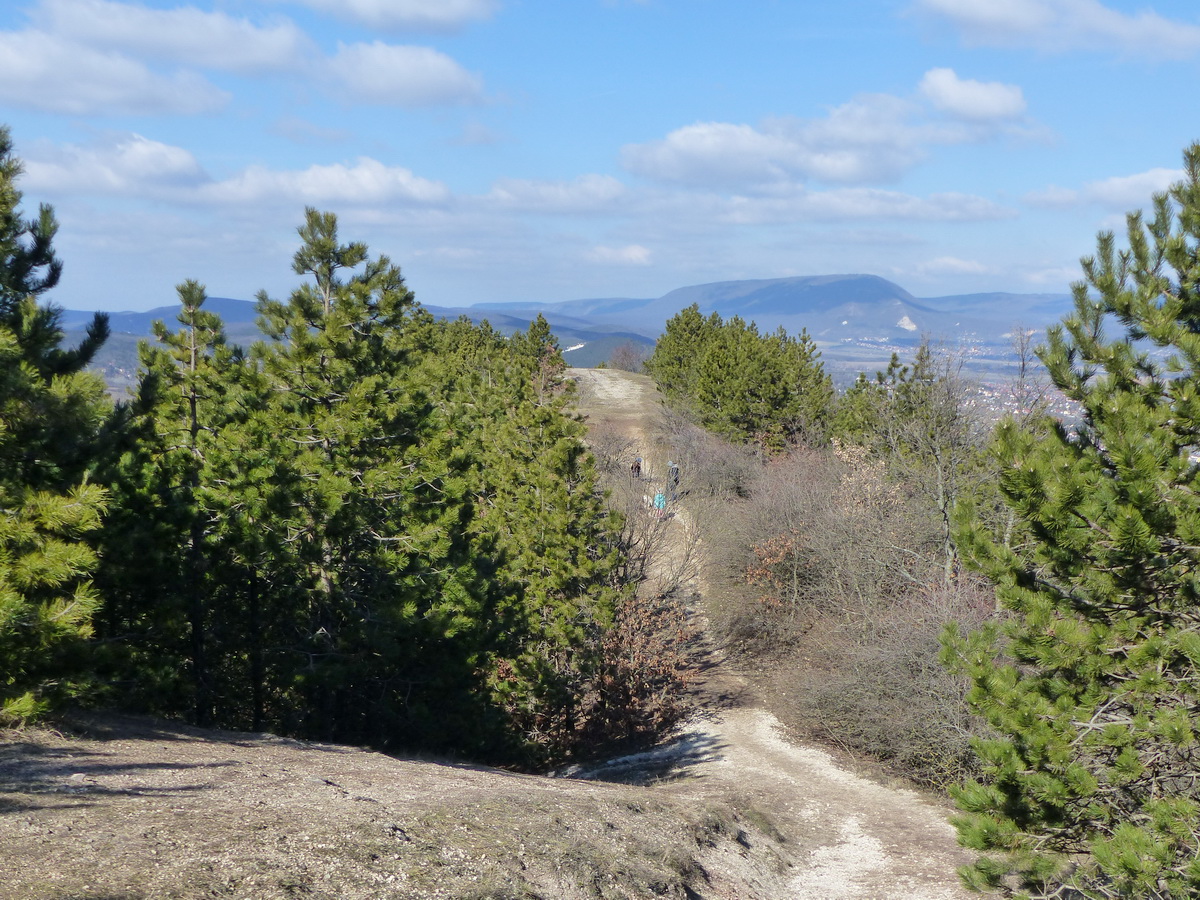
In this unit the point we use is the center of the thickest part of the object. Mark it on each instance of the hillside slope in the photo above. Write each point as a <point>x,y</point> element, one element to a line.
<point>129,808</point>
<point>122,808</point>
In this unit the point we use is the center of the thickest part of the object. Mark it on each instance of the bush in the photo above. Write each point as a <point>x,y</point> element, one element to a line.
<point>833,575</point>
<point>709,465</point>
<point>628,357</point>
<point>876,685</point>
<point>647,662</point>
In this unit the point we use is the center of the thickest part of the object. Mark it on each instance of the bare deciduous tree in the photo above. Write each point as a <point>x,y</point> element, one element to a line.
<point>628,356</point>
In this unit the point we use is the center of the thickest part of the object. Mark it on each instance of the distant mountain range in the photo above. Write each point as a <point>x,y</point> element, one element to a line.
<point>856,320</point>
<point>832,308</point>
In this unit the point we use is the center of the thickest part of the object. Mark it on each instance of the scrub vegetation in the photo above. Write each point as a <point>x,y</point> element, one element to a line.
<point>1005,612</point>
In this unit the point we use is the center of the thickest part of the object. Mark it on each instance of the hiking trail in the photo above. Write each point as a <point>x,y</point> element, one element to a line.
<point>849,838</point>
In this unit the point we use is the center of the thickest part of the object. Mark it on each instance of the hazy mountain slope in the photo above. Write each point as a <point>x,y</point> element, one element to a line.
<point>833,308</point>
<point>857,320</point>
<point>587,343</point>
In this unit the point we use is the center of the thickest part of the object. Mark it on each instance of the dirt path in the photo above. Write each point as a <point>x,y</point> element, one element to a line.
<point>849,837</point>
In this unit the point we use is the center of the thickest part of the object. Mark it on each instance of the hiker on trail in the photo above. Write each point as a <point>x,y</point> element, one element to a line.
<point>660,505</point>
<point>635,470</point>
<point>673,480</point>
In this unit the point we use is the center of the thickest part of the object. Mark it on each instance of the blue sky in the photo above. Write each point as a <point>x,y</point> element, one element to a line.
<point>507,150</point>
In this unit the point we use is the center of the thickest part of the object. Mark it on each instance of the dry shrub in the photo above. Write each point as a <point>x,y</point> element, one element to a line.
<point>648,660</point>
<point>833,575</point>
<point>821,536</point>
<point>875,685</point>
<point>629,356</point>
<point>709,466</point>
<point>613,451</point>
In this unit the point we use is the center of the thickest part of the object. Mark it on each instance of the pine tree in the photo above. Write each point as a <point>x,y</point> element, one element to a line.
<point>861,407</point>
<point>768,390</point>
<point>809,413</point>
<point>542,542</point>
<point>376,528</point>
<point>50,416</point>
<point>369,523</point>
<point>156,574</point>
<point>543,512</point>
<point>674,362</point>
<point>46,597</point>
<point>1092,681</point>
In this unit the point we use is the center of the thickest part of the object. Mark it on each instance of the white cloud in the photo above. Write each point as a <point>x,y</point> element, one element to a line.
<point>182,35</point>
<point>85,58</point>
<point>871,138</point>
<point>368,181</point>
<point>1120,192</point>
<point>988,16</point>
<point>437,15</point>
<point>402,75</point>
<point>123,164</point>
<point>1127,191</point>
<point>1058,25</point>
<point>631,255</point>
<point>133,166</point>
<point>864,203</point>
<point>1058,277</point>
<point>585,194</point>
<point>795,204</point>
<point>709,152</point>
<point>45,72</point>
<point>881,133</point>
<point>972,99</point>
<point>950,265</point>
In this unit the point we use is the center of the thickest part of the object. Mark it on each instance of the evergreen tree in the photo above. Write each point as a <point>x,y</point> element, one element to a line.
<point>371,511</point>
<point>1092,682</point>
<point>674,363</point>
<point>862,410</point>
<point>50,416</point>
<point>738,386</point>
<point>542,541</point>
<point>543,513</point>
<point>29,267</point>
<point>157,569</point>
<point>377,528</point>
<point>46,597</point>
<point>769,390</point>
<point>28,264</point>
<point>811,395</point>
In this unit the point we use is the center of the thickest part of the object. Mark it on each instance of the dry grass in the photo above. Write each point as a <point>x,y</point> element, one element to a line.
<point>131,808</point>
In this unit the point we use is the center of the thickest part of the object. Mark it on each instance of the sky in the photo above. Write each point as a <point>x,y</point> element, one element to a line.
<point>545,150</point>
